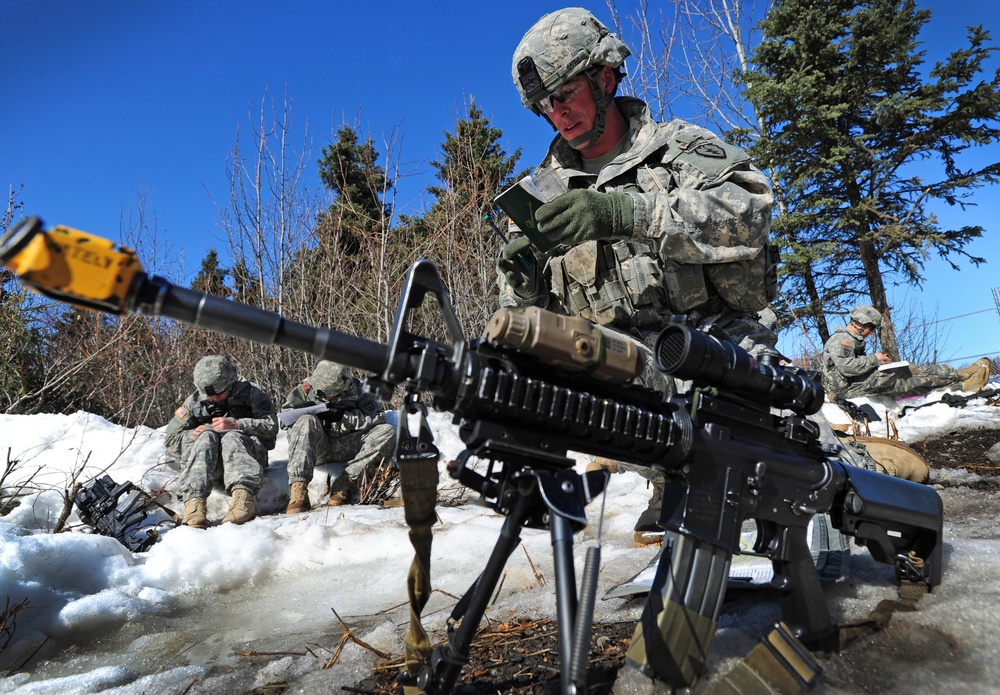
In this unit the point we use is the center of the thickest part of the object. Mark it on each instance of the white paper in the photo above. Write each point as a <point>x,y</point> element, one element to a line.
<point>287,417</point>
<point>545,185</point>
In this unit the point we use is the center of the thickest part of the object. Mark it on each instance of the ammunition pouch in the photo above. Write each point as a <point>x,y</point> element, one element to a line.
<point>624,283</point>
<point>123,512</point>
<point>747,286</point>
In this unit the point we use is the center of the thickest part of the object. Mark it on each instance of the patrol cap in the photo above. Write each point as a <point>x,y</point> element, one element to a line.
<point>214,374</point>
<point>331,378</point>
<point>867,314</point>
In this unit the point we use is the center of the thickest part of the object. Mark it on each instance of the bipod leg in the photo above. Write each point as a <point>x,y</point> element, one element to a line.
<point>447,661</point>
<point>566,601</point>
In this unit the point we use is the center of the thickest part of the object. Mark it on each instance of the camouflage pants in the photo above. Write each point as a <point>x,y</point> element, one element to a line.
<point>309,444</point>
<point>240,457</point>
<point>915,381</point>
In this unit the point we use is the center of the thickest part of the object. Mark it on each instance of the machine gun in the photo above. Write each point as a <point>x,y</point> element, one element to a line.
<point>537,385</point>
<point>123,512</point>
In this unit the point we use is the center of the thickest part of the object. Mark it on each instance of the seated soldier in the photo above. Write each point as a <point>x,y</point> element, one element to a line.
<point>848,372</point>
<point>228,424</point>
<point>352,431</point>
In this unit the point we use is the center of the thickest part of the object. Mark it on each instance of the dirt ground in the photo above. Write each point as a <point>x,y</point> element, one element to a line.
<point>522,656</point>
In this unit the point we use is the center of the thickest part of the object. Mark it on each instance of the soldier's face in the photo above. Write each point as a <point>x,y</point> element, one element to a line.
<point>574,111</point>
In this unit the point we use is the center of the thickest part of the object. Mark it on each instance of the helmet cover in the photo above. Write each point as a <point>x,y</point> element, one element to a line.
<point>214,374</point>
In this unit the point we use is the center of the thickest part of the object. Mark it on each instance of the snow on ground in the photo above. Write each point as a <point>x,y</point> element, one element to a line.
<point>238,607</point>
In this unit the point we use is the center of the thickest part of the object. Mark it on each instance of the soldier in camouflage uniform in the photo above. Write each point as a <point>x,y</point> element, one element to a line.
<point>223,430</point>
<point>353,432</point>
<point>848,372</point>
<point>658,218</point>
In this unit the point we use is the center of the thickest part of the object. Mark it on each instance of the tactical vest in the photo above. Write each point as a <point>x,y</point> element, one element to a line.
<point>624,283</point>
<point>628,283</point>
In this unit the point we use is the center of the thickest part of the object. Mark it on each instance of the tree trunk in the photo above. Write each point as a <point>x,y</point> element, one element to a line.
<point>876,289</point>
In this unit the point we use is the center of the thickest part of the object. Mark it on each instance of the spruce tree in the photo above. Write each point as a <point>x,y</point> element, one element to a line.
<point>211,277</point>
<point>848,111</point>
<point>350,170</point>
<point>457,230</point>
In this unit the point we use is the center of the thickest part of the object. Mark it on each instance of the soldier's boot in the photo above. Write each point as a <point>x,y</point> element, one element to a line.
<point>394,501</point>
<point>977,375</point>
<point>298,498</point>
<point>242,508</point>
<point>342,491</point>
<point>647,529</point>
<point>602,463</point>
<point>195,513</point>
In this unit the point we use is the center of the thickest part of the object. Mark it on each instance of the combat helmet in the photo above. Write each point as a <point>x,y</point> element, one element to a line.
<point>331,379</point>
<point>560,46</point>
<point>214,374</point>
<point>867,314</point>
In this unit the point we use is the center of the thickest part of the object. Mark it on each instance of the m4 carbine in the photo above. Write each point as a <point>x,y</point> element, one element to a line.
<point>739,446</point>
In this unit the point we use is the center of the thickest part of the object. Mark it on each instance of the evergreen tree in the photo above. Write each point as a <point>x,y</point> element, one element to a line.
<point>349,168</point>
<point>20,341</point>
<point>846,114</point>
<point>211,277</point>
<point>472,169</point>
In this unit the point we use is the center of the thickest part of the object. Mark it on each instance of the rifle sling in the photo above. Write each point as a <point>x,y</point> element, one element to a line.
<point>878,619</point>
<point>781,665</point>
<point>417,459</point>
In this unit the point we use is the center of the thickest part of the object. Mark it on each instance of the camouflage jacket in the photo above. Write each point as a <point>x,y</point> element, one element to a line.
<point>251,408</point>
<point>702,215</point>
<point>365,409</point>
<point>845,361</point>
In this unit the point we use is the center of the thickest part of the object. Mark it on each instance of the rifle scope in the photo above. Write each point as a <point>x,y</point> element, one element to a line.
<point>690,354</point>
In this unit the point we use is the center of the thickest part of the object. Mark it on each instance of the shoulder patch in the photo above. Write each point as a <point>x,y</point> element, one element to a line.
<point>848,343</point>
<point>181,413</point>
<point>711,150</point>
<point>306,387</point>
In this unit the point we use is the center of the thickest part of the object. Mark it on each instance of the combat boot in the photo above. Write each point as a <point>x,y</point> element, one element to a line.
<point>976,376</point>
<point>298,498</point>
<point>195,513</point>
<point>602,463</point>
<point>342,491</point>
<point>242,509</point>
<point>647,529</point>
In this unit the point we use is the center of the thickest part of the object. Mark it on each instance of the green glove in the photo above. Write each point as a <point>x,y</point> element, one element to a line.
<point>585,214</point>
<point>520,268</point>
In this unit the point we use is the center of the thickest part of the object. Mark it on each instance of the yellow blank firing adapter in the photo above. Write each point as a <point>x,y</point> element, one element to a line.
<point>72,266</point>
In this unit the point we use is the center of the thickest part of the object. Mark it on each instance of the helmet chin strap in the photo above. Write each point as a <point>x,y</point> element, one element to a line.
<point>602,99</point>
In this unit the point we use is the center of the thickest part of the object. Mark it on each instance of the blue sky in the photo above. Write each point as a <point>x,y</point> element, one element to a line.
<point>102,100</point>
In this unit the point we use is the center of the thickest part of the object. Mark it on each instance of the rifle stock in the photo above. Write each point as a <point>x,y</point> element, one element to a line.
<point>738,446</point>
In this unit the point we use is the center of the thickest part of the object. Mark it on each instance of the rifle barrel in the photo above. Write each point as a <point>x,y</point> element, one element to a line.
<point>158,297</point>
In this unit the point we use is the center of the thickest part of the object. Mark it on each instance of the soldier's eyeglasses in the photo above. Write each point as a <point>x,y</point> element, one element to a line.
<point>562,96</point>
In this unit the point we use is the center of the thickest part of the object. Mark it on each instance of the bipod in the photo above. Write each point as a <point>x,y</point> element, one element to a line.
<point>534,491</point>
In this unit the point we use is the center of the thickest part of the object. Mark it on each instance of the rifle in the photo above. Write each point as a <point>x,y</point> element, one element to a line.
<point>538,385</point>
<point>123,512</point>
